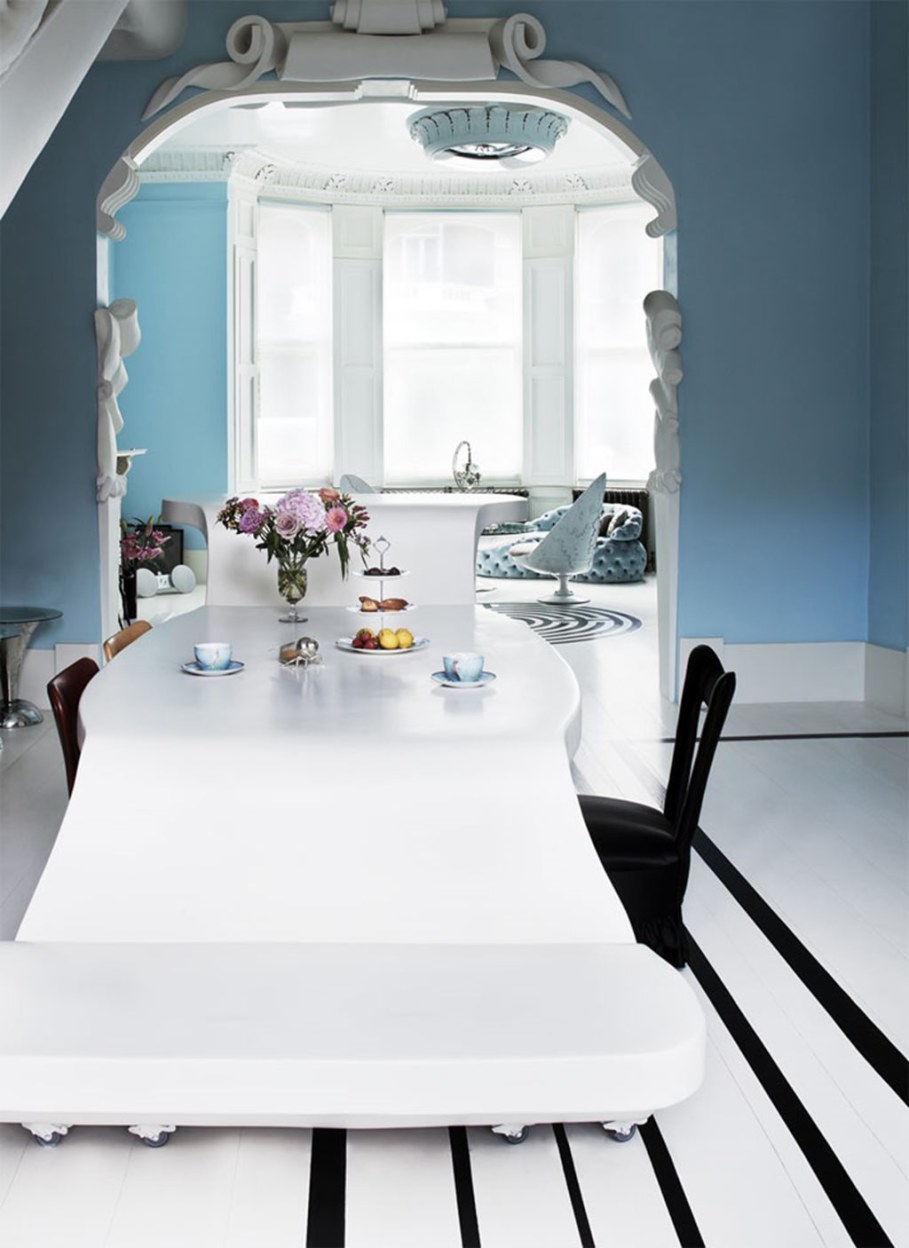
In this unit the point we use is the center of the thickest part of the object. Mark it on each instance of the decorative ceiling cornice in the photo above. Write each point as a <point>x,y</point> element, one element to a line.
<point>324,185</point>
<point>393,39</point>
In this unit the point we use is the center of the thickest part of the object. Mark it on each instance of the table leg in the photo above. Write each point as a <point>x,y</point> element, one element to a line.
<point>15,712</point>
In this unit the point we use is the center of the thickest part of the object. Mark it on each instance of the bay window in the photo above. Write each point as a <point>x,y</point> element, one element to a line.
<point>519,331</point>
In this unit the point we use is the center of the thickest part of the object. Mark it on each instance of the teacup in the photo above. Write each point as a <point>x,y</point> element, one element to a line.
<point>464,666</point>
<point>213,656</point>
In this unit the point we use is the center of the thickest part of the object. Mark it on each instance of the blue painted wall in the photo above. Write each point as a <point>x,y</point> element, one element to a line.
<point>760,113</point>
<point>888,598</point>
<point>173,262</point>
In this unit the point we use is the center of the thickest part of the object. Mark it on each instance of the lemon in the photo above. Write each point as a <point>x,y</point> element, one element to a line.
<point>405,638</point>
<point>388,639</point>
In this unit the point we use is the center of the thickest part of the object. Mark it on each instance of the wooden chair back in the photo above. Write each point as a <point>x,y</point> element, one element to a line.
<point>124,638</point>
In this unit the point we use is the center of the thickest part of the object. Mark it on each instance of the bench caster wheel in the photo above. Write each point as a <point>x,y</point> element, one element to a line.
<point>621,1132</point>
<point>512,1133</point>
<point>152,1136</point>
<point>47,1134</point>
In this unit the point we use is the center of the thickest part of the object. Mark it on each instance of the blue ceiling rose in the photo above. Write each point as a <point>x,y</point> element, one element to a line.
<point>497,134</point>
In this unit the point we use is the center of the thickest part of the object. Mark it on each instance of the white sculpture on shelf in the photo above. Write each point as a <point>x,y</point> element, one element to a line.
<point>118,335</point>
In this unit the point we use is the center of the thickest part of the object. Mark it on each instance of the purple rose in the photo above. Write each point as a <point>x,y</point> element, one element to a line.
<point>251,520</point>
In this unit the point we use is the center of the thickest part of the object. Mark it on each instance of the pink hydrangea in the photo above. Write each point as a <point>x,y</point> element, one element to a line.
<point>335,519</point>
<point>306,508</point>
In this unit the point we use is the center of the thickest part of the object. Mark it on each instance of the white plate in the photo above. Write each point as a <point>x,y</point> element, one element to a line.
<point>344,643</point>
<point>411,606</point>
<point>193,669</point>
<point>480,683</point>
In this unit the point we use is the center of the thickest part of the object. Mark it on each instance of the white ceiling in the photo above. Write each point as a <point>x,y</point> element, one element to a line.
<point>372,137</point>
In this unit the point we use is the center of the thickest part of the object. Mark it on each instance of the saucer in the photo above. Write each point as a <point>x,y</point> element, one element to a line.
<point>193,669</point>
<point>485,678</point>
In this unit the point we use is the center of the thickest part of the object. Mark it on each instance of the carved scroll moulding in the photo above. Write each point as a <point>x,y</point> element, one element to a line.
<point>404,43</point>
<point>387,38</point>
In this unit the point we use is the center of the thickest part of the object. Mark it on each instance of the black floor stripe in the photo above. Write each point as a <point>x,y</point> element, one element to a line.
<point>671,1186</point>
<point>877,1050</point>
<point>574,1188</point>
<point>862,1226</point>
<point>803,736</point>
<point>327,1189</point>
<point>463,1180</point>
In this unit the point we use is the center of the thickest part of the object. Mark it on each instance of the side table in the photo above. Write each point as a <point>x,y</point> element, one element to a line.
<point>16,627</point>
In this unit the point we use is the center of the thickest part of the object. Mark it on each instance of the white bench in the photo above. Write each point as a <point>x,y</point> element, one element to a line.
<point>354,1036</point>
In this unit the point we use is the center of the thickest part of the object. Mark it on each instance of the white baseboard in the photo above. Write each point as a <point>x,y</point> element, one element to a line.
<point>887,679</point>
<point>39,666</point>
<point>832,671</point>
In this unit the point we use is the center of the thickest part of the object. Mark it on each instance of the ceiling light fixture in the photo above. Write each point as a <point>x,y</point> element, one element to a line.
<point>492,134</point>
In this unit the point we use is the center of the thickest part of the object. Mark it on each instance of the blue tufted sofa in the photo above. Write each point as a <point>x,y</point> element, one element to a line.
<point>620,556</point>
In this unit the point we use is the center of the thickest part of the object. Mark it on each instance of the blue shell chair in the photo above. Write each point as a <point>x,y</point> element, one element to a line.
<point>351,484</point>
<point>569,546</point>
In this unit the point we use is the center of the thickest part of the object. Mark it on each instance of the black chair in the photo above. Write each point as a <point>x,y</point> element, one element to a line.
<point>65,691</point>
<point>647,852</point>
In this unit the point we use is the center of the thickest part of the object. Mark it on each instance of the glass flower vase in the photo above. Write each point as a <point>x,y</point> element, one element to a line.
<point>292,587</point>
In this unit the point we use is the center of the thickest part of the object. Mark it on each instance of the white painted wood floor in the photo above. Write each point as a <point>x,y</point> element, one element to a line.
<point>818,826</point>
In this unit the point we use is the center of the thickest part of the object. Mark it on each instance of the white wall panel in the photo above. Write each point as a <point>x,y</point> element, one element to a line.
<point>549,427</point>
<point>549,464</point>
<point>241,339</point>
<point>549,230</point>
<point>358,366</point>
<point>357,232</point>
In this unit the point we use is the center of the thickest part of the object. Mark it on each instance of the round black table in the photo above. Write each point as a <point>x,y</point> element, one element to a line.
<point>16,627</point>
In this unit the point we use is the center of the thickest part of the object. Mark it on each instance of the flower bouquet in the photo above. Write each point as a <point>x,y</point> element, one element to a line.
<point>301,525</point>
<point>140,542</point>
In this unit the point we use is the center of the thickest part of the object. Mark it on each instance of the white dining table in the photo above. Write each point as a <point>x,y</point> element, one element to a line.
<point>411,857</point>
<point>352,800</point>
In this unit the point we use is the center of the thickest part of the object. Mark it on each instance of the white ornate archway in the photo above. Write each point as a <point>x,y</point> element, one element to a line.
<point>409,50</point>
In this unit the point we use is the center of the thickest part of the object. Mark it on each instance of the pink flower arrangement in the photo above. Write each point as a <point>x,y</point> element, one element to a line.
<point>301,525</point>
<point>140,542</point>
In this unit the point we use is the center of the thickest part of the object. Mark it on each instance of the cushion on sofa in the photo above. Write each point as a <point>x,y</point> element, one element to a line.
<point>619,517</point>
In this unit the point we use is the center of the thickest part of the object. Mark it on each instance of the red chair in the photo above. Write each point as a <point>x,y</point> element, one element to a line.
<point>65,691</point>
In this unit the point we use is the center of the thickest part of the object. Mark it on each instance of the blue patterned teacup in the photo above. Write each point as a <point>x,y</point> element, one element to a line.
<point>464,666</point>
<point>213,656</point>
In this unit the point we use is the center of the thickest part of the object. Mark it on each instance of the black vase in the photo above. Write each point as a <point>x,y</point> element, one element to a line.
<point>128,595</point>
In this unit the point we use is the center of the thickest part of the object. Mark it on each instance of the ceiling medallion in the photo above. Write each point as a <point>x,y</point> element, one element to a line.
<point>493,134</point>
